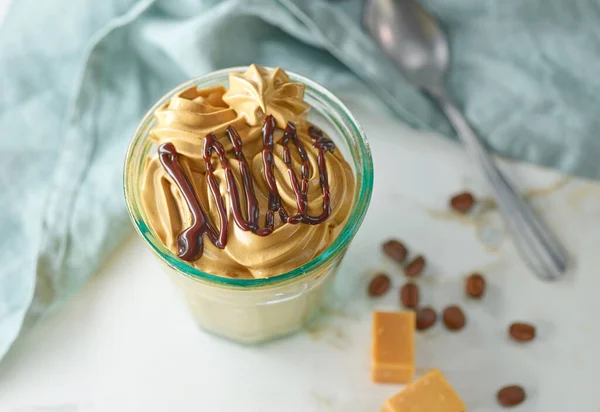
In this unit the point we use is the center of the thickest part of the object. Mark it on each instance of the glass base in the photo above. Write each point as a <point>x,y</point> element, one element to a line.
<point>258,315</point>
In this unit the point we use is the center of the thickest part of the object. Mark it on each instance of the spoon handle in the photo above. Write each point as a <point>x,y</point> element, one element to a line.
<point>538,246</point>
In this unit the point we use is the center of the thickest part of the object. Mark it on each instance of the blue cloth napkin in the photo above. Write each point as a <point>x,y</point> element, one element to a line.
<point>77,75</point>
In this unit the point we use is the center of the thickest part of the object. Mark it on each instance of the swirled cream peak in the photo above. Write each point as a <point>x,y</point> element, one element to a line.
<point>259,92</point>
<point>188,118</point>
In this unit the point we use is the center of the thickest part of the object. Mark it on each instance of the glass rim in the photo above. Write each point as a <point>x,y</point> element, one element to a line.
<point>363,173</point>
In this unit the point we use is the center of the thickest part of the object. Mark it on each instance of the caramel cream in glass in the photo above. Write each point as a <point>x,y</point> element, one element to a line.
<point>253,99</point>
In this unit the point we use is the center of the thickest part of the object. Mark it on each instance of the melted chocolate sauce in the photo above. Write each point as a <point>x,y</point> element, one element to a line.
<point>190,242</point>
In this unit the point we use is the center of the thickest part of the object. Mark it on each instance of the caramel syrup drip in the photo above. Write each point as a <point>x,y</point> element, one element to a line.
<point>190,242</point>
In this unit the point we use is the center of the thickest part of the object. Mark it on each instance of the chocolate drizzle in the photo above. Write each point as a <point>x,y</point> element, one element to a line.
<point>190,242</point>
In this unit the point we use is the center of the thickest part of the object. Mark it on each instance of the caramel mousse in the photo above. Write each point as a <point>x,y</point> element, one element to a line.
<point>242,184</point>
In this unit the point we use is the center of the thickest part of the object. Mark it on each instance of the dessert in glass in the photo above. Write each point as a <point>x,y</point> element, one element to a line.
<point>249,183</point>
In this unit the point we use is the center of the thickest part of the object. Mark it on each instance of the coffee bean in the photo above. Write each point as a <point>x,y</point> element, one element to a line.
<point>454,318</point>
<point>409,296</point>
<point>395,250</point>
<point>414,268</point>
<point>522,332</point>
<point>462,202</point>
<point>426,318</point>
<point>511,395</point>
<point>475,285</point>
<point>379,285</point>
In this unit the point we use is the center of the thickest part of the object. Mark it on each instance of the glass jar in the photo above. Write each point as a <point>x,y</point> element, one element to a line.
<point>258,310</point>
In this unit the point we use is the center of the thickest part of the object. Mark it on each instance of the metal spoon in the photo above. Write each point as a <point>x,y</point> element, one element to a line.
<point>412,39</point>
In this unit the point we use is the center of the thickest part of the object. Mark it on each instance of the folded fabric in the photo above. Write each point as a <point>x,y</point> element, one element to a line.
<point>77,75</point>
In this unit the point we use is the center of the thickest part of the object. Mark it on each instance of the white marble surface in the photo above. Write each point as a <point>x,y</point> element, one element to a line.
<point>126,342</point>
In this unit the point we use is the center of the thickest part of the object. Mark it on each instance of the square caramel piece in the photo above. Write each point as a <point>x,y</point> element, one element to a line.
<point>393,350</point>
<point>430,393</point>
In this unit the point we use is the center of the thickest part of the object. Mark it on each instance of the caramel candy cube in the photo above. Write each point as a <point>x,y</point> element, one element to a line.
<point>430,393</point>
<point>393,349</point>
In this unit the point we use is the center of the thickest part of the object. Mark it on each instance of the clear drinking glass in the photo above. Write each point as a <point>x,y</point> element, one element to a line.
<point>258,310</point>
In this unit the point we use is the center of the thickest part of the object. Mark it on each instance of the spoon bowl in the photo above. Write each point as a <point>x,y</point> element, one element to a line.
<point>423,54</point>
